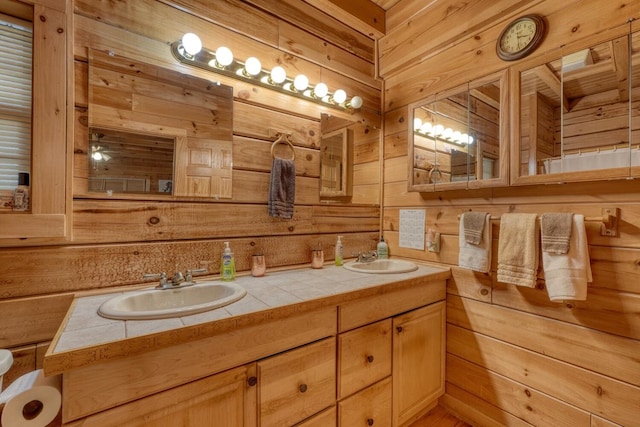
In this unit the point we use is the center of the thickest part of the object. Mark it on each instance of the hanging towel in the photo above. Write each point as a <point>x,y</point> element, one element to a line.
<point>474,223</point>
<point>518,249</point>
<point>566,275</point>
<point>476,257</point>
<point>556,232</point>
<point>282,188</point>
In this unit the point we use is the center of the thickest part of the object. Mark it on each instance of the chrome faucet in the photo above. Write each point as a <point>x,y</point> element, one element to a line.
<point>178,280</point>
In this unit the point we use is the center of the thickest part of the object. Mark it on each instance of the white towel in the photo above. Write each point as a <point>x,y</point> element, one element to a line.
<point>566,275</point>
<point>476,257</point>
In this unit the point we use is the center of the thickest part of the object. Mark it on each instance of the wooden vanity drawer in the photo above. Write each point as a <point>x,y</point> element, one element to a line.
<point>296,384</point>
<point>327,418</point>
<point>370,407</point>
<point>364,357</point>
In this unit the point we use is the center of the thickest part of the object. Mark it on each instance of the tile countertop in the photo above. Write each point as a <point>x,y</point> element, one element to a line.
<point>85,337</point>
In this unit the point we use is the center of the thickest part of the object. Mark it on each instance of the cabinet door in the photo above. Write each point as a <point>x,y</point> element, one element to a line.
<point>227,399</point>
<point>364,357</point>
<point>326,418</point>
<point>418,361</point>
<point>297,384</point>
<point>370,407</point>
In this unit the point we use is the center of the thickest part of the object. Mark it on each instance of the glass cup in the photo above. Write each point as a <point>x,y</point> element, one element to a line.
<point>258,265</point>
<point>317,258</point>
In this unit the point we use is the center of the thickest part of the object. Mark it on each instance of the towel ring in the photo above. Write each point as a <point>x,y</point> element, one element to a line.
<point>283,139</point>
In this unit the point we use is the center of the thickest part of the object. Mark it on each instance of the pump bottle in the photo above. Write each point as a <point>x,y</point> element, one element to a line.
<point>227,265</point>
<point>339,256</point>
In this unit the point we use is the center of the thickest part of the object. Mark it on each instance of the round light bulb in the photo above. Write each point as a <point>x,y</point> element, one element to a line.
<point>191,43</point>
<point>438,130</point>
<point>356,102</point>
<point>253,66</point>
<point>464,138</point>
<point>417,123</point>
<point>301,82</point>
<point>339,96</point>
<point>448,132</point>
<point>320,90</point>
<point>470,140</point>
<point>278,75</point>
<point>224,56</point>
<point>97,156</point>
<point>456,136</point>
<point>426,128</point>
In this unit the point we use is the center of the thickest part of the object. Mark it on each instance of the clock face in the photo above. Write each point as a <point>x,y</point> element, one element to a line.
<point>520,37</point>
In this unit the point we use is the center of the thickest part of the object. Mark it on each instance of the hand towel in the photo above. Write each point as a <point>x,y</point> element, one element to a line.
<point>518,249</point>
<point>476,257</point>
<point>556,232</point>
<point>566,275</point>
<point>282,188</point>
<point>473,226</point>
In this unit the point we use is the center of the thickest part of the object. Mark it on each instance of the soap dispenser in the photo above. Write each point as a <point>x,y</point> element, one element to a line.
<point>382,249</point>
<point>339,252</point>
<point>227,265</point>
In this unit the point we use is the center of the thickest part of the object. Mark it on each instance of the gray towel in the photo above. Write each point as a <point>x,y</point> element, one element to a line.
<point>282,188</point>
<point>556,232</point>
<point>473,224</point>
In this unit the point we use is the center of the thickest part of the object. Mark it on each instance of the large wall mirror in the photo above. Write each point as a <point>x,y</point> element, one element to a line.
<point>576,112</point>
<point>154,131</point>
<point>457,138</point>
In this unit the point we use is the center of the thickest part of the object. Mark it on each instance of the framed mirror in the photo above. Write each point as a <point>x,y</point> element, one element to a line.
<point>458,137</point>
<point>336,147</point>
<point>576,113</point>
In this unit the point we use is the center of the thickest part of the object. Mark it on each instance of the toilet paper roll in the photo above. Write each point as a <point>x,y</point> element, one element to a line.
<point>31,401</point>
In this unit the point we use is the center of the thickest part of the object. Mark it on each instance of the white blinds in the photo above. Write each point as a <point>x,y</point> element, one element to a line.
<point>15,100</point>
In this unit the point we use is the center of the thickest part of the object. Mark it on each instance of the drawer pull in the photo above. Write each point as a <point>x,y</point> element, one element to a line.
<point>251,381</point>
<point>370,358</point>
<point>302,388</point>
<point>369,421</point>
<point>399,329</point>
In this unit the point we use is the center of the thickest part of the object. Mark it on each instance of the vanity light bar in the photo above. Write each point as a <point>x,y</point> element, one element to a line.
<point>189,51</point>
<point>439,131</point>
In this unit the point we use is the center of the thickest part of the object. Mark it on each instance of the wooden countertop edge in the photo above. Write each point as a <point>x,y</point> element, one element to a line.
<point>56,363</point>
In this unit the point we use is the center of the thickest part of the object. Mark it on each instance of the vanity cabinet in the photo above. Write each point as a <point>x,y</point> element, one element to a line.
<point>418,361</point>
<point>227,399</point>
<point>296,384</point>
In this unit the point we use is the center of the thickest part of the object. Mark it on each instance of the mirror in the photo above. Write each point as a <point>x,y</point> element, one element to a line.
<point>155,131</point>
<point>575,114</point>
<point>125,162</point>
<point>455,137</point>
<point>336,147</point>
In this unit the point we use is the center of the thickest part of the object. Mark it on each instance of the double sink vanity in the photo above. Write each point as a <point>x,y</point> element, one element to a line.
<point>309,347</point>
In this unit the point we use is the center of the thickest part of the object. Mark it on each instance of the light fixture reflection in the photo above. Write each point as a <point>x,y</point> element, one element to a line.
<point>439,131</point>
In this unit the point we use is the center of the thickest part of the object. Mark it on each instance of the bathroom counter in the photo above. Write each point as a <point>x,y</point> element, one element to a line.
<point>86,338</point>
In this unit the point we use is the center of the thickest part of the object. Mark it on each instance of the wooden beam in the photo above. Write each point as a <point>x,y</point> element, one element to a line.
<point>363,15</point>
<point>620,58</point>
<point>545,74</point>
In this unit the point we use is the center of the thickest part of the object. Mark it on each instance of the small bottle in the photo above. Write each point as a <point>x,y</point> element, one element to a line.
<point>227,265</point>
<point>382,249</point>
<point>339,252</point>
<point>21,193</point>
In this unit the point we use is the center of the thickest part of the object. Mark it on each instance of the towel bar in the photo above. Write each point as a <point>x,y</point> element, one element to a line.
<point>283,138</point>
<point>609,220</point>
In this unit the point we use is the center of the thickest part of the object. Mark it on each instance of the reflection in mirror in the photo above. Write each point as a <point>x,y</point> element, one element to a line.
<point>575,112</point>
<point>125,162</point>
<point>335,161</point>
<point>634,107</point>
<point>456,138</point>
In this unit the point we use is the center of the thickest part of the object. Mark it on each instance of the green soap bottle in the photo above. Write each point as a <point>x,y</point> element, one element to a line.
<point>227,265</point>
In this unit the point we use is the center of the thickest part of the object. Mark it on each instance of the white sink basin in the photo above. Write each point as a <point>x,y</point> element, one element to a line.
<point>382,266</point>
<point>160,304</point>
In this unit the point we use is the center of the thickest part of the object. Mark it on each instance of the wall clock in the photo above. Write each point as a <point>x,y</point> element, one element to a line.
<point>520,37</point>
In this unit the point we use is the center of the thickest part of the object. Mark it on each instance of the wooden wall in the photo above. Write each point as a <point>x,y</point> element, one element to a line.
<point>115,241</point>
<point>513,357</point>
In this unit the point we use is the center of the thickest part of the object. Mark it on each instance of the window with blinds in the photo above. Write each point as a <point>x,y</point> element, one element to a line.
<point>16,48</point>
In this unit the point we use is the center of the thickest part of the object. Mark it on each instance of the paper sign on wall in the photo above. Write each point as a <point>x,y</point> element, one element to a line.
<point>412,223</point>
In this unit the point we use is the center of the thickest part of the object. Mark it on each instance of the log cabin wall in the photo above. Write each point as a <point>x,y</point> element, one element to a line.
<point>513,357</point>
<point>115,241</point>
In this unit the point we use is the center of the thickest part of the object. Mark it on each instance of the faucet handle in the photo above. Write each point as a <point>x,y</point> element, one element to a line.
<point>162,276</point>
<point>189,273</point>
